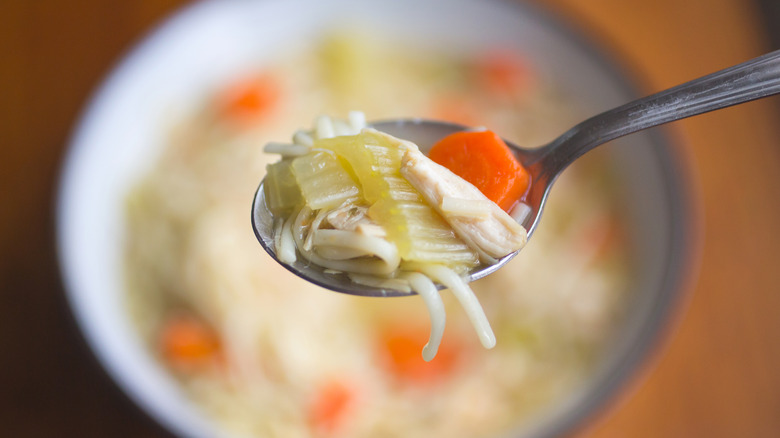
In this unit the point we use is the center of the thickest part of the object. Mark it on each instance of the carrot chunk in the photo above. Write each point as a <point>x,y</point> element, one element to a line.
<point>250,98</point>
<point>483,159</point>
<point>330,407</point>
<point>401,350</point>
<point>502,72</point>
<point>186,341</point>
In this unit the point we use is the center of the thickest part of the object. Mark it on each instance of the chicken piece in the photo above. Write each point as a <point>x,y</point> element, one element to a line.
<point>351,217</point>
<point>490,230</point>
<point>348,216</point>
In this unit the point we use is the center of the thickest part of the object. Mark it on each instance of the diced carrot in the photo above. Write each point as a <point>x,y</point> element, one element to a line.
<point>250,98</point>
<point>503,72</point>
<point>402,350</point>
<point>330,407</point>
<point>606,233</point>
<point>186,341</point>
<point>483,159</point>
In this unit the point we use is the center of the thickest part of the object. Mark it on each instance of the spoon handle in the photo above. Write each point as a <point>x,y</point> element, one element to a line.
<point>754,79</point>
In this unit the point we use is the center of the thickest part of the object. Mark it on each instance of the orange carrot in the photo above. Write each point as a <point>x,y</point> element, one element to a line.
<point>403,355</point>
<point>250,98</point>
<point>502,72</point>
<point>605,233</point>
<point>186,341</point>
<point>483,159</point>
<point>330,406</point>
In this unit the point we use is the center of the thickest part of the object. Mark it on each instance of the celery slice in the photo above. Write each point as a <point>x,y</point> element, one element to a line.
<point>374,160</point>
<point>281,189</point>
<point>421,234</point>
<point>323,180</point>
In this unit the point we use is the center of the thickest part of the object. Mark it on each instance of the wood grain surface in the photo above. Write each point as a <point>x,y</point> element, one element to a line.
<point>717,374</point>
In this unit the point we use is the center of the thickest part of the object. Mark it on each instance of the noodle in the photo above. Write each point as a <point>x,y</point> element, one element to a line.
<point>465,296</point>
<point>358,243</point>
<point>286,248</point>
<point>287,150</point>
<point>382,266</point>
<point>427,290</point>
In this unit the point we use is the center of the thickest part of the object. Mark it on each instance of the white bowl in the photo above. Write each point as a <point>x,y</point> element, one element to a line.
<point>122,132</point>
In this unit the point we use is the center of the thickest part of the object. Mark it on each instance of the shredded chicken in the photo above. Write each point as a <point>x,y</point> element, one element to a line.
<point>492,236</point>
<point>348,216</point>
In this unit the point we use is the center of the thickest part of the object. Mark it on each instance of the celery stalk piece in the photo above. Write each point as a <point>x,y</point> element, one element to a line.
<point>281,189</point>
<point>421,234</point>
<point>323,180</point>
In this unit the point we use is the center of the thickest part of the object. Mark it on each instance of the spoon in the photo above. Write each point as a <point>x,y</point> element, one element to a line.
<point>754,79</point>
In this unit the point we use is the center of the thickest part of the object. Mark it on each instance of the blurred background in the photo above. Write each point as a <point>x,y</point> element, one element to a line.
<point>718,372</point>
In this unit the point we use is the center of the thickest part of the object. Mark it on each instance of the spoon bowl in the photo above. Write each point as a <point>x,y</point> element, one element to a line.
<point>754,79</point>
<point>424,133</point>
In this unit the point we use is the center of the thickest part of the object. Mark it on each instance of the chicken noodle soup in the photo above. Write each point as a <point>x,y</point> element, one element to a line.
<point>401,222</point>
<point>265,354</point>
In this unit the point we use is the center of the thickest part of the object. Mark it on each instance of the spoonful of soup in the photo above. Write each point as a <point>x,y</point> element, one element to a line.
<point>393,208</point>
<point>383,207</point>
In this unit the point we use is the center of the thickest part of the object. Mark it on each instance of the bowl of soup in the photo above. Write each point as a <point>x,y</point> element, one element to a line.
<point>213,338</point>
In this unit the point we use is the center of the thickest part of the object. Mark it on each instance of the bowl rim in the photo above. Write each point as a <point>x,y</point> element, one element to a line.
<point>681,191</point>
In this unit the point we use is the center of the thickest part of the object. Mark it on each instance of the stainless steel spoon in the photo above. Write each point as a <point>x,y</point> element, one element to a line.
<point>744,82</point>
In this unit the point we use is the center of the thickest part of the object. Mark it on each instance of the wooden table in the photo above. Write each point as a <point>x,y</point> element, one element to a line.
<point>718,374</point>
